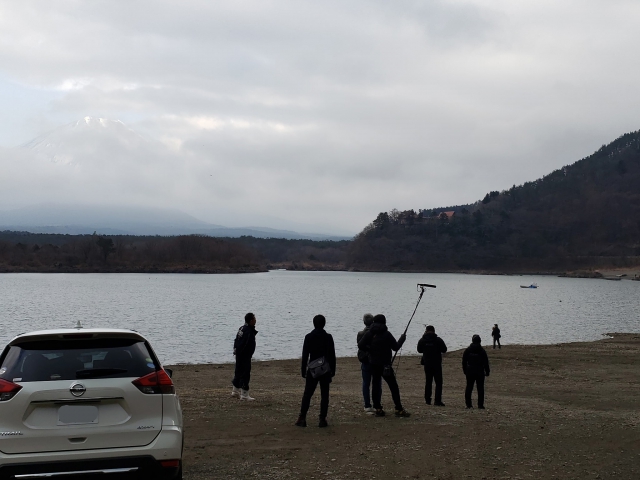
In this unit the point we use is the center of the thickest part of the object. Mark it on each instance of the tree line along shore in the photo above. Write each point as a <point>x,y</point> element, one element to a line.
<point>578,219</point>
<point>553,411</point>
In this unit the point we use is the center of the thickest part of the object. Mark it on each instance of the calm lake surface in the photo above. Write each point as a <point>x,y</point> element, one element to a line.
<point>194,318</point>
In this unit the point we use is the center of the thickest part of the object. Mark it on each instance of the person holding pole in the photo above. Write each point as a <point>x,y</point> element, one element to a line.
<point>431,346</point>
<point>380,343</point>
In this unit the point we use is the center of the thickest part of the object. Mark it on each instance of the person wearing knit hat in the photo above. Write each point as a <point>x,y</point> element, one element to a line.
<point>365,366</point>
<point>475,365</point>
<point>381,343</point>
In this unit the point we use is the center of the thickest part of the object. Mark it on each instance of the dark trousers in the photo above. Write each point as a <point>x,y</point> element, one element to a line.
<point>494,342</point>
<point>376,389</point>
<point>310,388</point>
<point>243,373</point>
<point>478,379</point>
<point>366,383</point>
<point>433,372</point>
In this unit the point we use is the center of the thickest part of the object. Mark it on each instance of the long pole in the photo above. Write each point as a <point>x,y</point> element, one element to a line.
<point>421,286</point>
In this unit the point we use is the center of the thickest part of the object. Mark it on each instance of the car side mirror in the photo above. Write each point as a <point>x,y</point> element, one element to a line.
<point>169,372</point>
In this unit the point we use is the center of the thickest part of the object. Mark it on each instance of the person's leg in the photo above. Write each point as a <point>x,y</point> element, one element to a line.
<point>246,375</point>
<point>325,382</point>
<point>309,388</point>
<point>480,385</point>
<point>366,384</point>
<point>494,343</point>
<point>376,386</point>
<point>237,374</point>
<point>428,376</point>
<point>437,376</point>
<point>499,346</point>
<point>469,389</point>
<point>395,391</point>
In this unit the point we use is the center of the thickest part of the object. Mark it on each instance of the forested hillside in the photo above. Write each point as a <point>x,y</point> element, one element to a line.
<point>584,215</point>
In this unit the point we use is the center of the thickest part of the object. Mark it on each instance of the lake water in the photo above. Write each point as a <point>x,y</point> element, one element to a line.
<point>194,318</point>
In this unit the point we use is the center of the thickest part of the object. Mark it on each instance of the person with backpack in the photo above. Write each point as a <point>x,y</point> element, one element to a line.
<point>431,346</point>
<point>381,343</point>
<point>365,366</point>
<point>243,348</point>
<point>318,366</point>
<point>495,333</point>
<point>475,365</point>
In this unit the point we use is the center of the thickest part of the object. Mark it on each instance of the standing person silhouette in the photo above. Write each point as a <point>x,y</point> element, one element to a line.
<point>495,333</point>
<point>431,346</point>
<point>475,365</point>
<point>318,366</point>
<point>365,366</point>
<point>243,348</point>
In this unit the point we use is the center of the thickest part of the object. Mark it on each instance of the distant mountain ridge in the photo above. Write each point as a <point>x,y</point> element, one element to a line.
<point>118,220</point>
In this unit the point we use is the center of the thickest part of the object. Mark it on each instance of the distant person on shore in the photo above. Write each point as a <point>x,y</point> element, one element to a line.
<point>243,348</point>
<point>495,333</point>
<point>431,346</point>
<point>475,365</point>
<point>381,343</point>
<point>365,366</point>
<point>318,366</point>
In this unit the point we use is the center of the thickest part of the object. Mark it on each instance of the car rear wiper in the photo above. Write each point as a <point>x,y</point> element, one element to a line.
<point>99,372</point>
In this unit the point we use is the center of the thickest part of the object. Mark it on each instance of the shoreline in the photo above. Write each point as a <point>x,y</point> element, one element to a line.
<point>565,410</point>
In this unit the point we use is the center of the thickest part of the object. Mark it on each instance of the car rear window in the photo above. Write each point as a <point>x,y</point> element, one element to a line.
<point>50,360</point>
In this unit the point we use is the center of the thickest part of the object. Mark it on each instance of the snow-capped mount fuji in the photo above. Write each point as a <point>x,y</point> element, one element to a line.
<point>82,140</point>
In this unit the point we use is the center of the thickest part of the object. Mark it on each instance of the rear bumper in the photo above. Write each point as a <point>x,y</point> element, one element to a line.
<point>124,467</point>
<point>134,462</point>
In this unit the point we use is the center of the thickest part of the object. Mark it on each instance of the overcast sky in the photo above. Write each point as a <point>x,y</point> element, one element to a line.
<point>320,113</point>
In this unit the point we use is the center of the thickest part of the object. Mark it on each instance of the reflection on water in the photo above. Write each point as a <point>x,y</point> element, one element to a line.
<point>194,318</point>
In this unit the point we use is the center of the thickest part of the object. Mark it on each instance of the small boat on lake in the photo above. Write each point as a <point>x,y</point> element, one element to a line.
<point>533,285</point>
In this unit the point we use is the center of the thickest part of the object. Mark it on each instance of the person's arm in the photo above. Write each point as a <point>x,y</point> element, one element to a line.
<point>396,345</point>
<point>487,370</point>
<point>331,354</point>
<point>421,345</point>
<point>464,362</point>
<point>443,346</point>
<point>305,357</point>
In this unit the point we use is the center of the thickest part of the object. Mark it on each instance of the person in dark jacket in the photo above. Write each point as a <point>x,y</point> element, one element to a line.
<point>365,366</point>
<point>475,365</point>
<point>317,344</point>
<point>380,343</point>
<point>243,348</point>
<point>495,333</point>
<point>431,346</point>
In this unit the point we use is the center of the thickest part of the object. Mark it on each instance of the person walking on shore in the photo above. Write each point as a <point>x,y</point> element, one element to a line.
<point>475,365</point>
<point>318,366</point>
<point>365,366</point>
<point>495,333</point>
<point>243,348</point>
<point>431,346</point>
<point>381,343</point>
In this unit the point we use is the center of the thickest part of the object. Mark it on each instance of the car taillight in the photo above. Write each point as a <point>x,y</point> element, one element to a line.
<point>156,382</point>
<point>8,390</point>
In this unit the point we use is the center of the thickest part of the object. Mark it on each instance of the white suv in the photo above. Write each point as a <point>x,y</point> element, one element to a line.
<point>84,402</point>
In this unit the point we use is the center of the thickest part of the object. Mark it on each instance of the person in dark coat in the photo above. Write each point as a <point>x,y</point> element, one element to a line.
<point>431,346</point>
<point>381,343</point>
<point>317,344</point>
<point>365,366</point>
<point>495,333</point>
<point>243,348</point>
<point>475,365</point>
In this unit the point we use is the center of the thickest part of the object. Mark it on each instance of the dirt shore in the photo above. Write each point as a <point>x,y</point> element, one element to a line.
<point>555,411</point>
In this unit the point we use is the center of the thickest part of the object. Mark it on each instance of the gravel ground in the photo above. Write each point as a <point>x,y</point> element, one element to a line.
<point>553,411</point>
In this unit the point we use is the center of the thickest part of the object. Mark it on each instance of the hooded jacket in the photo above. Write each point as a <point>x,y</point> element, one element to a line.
<point>475,360</point>
<point>380,343</point>
<point>245,343</point>
<point>318,343</point>
<point>431,346</point>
